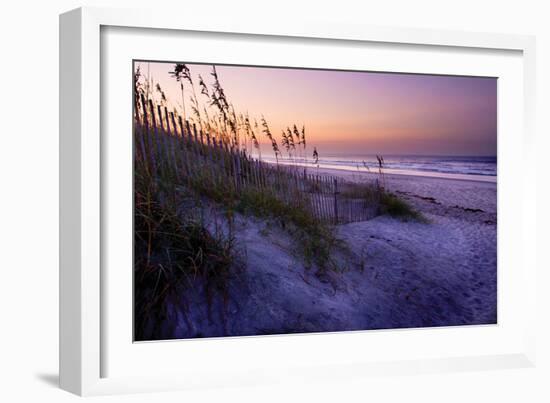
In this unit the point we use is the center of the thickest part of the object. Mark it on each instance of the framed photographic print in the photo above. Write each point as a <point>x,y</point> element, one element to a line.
<point>245,225</point>
<point>245,203</point>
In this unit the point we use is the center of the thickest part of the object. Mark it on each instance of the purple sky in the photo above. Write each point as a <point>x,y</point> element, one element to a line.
<point>357,112</point>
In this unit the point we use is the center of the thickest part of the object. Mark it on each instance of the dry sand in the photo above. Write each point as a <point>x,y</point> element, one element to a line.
<point>406,274</point>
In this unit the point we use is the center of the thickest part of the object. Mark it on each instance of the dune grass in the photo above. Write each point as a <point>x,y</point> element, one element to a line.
<point>388,202</point>
<point>396,207</point>
<point>315,240</point>
<point>369,192</point>
<point>171,251</point>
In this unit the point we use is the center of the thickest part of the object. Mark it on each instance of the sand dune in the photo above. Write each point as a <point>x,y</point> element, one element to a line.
<point>405,274</point>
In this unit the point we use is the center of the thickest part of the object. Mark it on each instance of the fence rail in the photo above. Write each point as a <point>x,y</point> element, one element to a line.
<point>166,142</point>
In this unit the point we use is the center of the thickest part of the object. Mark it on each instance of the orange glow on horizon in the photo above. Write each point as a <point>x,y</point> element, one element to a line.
<point>353,112</point>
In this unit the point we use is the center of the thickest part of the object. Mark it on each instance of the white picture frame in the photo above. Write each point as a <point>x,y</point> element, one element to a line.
<point>82,295</point>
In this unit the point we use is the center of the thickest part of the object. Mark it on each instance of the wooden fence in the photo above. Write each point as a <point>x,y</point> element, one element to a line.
<point>168,145</point>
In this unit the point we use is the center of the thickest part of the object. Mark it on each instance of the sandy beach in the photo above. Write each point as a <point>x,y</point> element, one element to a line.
<point>449,197</point>
<point>448,264</point>
<point>412,274</point>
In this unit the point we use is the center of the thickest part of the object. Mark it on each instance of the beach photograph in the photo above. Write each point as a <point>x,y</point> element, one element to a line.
<point>278,200</point>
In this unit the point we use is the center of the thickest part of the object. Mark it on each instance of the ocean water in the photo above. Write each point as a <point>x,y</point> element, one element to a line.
<point>485,168</point>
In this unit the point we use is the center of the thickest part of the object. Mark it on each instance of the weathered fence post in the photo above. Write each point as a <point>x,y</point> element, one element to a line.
<point>137,100</point>
<point>169,140</point>
<point>189,144</point>
<point>173,119</point>
<point>159,111</point>
<point>237,166</point>
<point>182,147</point>
<point>162,137</point>
<point>167,120</point>
<point>180,121</point>
<point>145,125</point>
<point>336,201</point>
<point>156,149</point>
<point>196,138</point>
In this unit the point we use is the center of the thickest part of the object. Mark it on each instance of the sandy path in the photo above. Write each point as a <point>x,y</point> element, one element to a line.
<point>441,273</point>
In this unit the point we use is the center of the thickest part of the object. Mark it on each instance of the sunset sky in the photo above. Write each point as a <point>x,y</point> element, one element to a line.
<point>356,113</point>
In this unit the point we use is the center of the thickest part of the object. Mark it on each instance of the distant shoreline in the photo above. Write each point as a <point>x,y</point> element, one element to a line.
<point>418,174</point>
<point>338,171</point>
